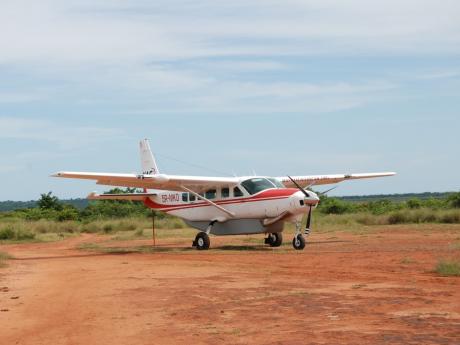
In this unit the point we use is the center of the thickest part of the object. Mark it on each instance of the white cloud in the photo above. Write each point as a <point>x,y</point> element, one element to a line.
<point>440,74</point>
<point>20,97</point>
<point>196,56</point>
<point>77,31</point>
<point>65,136</point>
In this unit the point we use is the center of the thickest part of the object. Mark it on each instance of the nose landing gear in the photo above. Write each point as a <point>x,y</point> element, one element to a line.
<point>298,241</point>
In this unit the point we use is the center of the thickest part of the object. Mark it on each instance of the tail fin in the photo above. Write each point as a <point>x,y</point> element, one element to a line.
<point>149,166</point>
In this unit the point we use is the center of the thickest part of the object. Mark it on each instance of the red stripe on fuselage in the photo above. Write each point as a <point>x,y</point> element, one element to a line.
<point>270,194</point>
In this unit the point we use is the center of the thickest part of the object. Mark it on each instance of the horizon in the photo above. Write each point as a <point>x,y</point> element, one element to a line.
<point>332,196</point>
<point>299,88</point>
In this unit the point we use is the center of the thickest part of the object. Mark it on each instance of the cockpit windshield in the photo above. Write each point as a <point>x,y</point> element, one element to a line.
<point>277,183</point>
<point>258,184</point>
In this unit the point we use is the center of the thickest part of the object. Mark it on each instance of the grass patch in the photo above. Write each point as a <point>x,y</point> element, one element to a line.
<point>4,256</point>
<point>448,268</point>
<point>89,246</point>
<point>455,246</point>
<point>16,232</point>
<point>407,261</point>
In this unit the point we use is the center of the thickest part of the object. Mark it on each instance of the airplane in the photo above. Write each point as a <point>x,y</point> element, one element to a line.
<point>223,205</point>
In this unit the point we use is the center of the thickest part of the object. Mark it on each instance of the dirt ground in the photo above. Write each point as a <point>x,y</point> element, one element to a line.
<point>344,288</point>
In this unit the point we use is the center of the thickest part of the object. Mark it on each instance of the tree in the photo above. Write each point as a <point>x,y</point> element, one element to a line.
<point>49,202</point>
<point>414,203</point>
<point>454,200</point>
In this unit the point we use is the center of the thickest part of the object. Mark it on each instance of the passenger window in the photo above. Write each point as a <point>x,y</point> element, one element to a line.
<point>185,197</point>
<point>192,197</point>
<point>237,192</point>
<point>211,194</point>
<point>225,192</point>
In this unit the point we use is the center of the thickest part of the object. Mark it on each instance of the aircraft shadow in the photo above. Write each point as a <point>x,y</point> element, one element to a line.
<point>112,251</point>
<point>30,258</point>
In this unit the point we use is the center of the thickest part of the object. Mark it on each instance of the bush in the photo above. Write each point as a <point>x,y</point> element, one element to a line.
<point>398,218</point>
<point>334,206</point>
<point>68,213</point>
<point>17,233</point>
<point>107,228</point>
<point>7,233</point>
<point>414,203</point>
<point>450,217</point>
<point>448,268</point>
<point>454,200</point>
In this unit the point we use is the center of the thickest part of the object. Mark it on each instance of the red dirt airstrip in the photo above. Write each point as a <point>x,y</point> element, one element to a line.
<point>369,288</point>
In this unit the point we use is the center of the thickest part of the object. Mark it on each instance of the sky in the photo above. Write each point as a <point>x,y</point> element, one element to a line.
<point>230,88</point>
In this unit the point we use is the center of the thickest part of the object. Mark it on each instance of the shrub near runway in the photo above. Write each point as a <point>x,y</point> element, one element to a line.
<point>447,268</point>
<point>53,220</point>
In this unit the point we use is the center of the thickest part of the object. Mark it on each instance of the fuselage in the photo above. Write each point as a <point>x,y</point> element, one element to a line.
<point>251,198</point>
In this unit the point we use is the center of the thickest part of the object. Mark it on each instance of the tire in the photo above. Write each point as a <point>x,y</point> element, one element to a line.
<point>275,239</point>
<point>298,242</point>
<point>202,241</point>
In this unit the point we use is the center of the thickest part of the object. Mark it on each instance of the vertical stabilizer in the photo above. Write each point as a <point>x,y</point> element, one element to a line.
<point>149,166</point>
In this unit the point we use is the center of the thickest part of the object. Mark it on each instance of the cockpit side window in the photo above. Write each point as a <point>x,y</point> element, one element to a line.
<point>237,192</point>
<point>185,197</point>
<point>257,184</point>
<point>225,192</point>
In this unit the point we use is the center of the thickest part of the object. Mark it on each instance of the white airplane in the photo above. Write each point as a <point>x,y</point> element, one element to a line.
<point>222,205</point>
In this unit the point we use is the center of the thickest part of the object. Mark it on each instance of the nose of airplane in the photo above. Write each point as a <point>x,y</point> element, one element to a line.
<point>312,198</point>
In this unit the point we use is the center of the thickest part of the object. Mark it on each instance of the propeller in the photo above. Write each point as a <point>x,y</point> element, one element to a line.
<point>300,188</point>
<point>307,228</point>
<point>308,219</point>
<point>326,191</point>
<point>308,224</point>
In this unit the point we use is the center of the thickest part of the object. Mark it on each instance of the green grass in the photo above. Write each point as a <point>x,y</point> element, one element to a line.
<point>455,246</point>
<point>4,256</point>
<point>447,268</point>
<point>408,261</point>
<point>14,230</point>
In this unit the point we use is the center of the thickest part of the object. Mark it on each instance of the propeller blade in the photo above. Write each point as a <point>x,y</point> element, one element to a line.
<point>309,218</point>
<point>327,191</point>
<point>298,186</point>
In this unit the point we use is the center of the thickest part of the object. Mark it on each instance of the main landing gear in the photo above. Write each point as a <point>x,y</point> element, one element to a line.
<point>275,239</point>
<point>202,240</point>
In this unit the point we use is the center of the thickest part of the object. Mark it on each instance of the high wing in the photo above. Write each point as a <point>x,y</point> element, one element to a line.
<point>314,180</point>
<point>160,181</point>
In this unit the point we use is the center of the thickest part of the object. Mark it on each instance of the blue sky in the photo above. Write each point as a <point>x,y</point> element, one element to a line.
<point>292,87</point>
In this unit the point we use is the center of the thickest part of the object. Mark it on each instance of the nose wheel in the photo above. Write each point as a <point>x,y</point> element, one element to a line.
<point>298,242</point>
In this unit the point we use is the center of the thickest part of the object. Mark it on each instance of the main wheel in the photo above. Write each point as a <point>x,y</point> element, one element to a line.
<point>275,239</point>
<point>202,241</point>
<point>298,242</point>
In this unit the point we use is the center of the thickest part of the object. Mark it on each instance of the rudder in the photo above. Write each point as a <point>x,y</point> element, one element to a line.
<point>149,166</point>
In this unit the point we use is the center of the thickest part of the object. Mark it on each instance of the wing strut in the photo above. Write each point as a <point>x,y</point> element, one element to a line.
<point>231,214</point>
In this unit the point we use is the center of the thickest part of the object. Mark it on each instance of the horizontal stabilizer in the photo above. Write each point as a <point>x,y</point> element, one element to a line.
<point>126,196</point>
